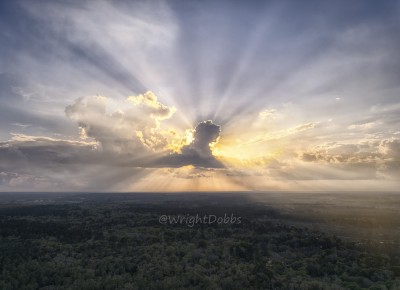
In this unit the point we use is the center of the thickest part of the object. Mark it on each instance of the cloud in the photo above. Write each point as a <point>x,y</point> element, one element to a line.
<point>22,152</point>
<point>278,113</point>
<point>374,159</point>
<point>198,153</point>
<point>44,163</point>
<point>98,160</point>
<point>118,49</point>
<point>343,153</point>
<point>26,181</point>
<point>188,172</point>
<point>364,126</point>
<point>383,156</point>
<point>276,135</point>
<point>205,133</point>
<point>390,148</point>
<point>113,147</point>
<point>136,128</point>
<point>31,162</point>
<point>149,101</point>
<point>268,114</point>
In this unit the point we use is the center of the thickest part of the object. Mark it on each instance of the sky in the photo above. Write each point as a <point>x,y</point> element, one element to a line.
<point>199,95</point>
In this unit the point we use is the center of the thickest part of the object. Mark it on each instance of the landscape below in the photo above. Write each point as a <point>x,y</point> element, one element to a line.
<point>116,241</point>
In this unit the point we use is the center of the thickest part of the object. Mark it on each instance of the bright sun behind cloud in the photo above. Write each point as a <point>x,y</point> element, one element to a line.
<point>209,95</point>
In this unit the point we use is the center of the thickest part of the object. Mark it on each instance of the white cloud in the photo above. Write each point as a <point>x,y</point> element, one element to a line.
<point>149,101</point>
<point>135,128</point>
<point>364,126</point>
<point>269,114</point>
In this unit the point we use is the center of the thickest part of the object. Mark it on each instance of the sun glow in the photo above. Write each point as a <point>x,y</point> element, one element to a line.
<point>189,136</point>
<point>139,92</point>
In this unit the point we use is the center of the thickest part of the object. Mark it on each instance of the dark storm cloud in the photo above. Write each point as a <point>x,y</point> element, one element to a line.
<point>198,153</point>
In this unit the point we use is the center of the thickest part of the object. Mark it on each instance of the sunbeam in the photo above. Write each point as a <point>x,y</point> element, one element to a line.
<point>198,96</point>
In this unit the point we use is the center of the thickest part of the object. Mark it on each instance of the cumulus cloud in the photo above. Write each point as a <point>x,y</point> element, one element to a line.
<point>149,101</point>
<point>136,128</point>
<point>390,148</point>
<point>108,141</point>
<point>198,152</point>
<point>112,146</point>
<point>205,133</point>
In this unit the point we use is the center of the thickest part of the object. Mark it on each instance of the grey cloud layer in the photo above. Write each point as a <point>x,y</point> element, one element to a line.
<point>382,156</point>
<point>35,163</point>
